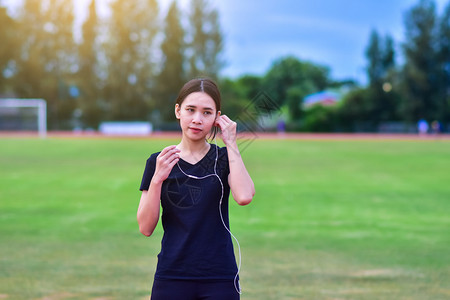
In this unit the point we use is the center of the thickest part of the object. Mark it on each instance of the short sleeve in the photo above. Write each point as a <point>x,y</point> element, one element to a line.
<point>148,172</point>
<point>223,160</point>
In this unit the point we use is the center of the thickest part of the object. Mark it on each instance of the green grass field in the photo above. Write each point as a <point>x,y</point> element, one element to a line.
<point>330,220</point>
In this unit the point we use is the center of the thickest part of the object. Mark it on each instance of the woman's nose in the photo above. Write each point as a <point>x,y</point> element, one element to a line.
<point>198,118</point>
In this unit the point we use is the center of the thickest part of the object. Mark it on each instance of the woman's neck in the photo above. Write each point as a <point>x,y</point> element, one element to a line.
<point>193,151</point>
<point>193,147</point>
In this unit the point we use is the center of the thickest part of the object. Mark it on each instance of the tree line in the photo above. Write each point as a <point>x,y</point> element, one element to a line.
<point>130,65</point>
<point>125,66</point>
<point>417,89</point>
<point>396,96</point>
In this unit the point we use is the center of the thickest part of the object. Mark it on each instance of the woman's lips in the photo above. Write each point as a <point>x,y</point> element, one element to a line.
<point>195,130</point>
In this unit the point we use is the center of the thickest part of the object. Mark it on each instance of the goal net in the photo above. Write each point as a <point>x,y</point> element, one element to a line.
<point>23,115</point>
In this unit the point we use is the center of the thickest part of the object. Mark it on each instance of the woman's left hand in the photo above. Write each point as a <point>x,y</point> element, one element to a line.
<point>241,184</point>
<point>228,128</point>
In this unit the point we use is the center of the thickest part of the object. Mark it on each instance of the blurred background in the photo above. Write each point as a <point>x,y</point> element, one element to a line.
<point>347,66</point>
<point>344,216</point>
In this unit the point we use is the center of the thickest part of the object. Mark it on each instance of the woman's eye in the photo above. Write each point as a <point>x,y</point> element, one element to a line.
<point>207,112</point>
<point>190,109</point>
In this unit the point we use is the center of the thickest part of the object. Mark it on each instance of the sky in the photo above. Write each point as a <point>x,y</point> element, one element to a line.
<point>333,33</point>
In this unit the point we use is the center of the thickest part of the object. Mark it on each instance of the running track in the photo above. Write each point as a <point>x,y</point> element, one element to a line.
<point>242,135</point>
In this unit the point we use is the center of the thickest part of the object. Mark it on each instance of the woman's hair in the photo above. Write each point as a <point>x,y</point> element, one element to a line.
<point>204,85</point>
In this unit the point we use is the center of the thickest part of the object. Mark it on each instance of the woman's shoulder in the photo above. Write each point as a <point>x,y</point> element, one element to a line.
<point>221,150</point>
<point>153,156</point>
<point>222,154</point>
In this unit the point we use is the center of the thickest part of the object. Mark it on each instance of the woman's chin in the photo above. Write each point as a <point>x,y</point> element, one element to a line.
<point>195,136</point>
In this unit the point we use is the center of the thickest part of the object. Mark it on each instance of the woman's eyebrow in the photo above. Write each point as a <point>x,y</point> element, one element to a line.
<point>204,108</point>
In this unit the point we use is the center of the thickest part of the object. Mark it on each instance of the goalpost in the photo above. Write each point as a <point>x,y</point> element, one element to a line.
<point>15,115</point>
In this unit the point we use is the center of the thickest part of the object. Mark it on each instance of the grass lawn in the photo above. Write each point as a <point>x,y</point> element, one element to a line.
<point>330,220</point>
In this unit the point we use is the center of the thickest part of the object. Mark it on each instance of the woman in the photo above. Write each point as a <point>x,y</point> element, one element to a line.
<point>192,182</point>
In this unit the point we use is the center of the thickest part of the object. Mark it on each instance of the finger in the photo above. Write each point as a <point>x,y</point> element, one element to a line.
<point>168,148</point>
<point>225,124</point>
<point>170,162</point>
<point>166,163</point>
<point>222,122</point>
<point>225,117</point>
<point>174,156</point>
<point>219,123</point>
<point>227,121</point>
<point>169,152</point>
<point>173,162</point>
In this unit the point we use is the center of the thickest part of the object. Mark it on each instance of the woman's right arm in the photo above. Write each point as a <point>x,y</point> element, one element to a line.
<point>149,205</point>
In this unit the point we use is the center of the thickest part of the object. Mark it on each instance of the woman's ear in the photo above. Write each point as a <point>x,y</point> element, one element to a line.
<point>217,117</point>
<point>177,111</point>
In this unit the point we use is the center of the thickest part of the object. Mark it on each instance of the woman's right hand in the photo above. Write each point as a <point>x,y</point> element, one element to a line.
<point>165,161</point>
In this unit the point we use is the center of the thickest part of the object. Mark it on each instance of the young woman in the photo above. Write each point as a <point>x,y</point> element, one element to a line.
<point>192,181</point>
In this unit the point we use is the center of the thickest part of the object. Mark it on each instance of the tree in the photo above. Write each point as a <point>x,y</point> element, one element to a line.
<point>388,61</point>
<point>238,95</point>
<point>60,52</point>
<point>8,36</point>
<point>46,61</point>
<point>381,56</point>
<point>30,67</point>
<point>250,85</point>
<point>420,77</point>
<point>206,42</point>
<point>173,72</point>
<point>235,99</point>
<point>444,65</point>
<point>128,51</point>
<point>363,109</point>
<point>289,80</point>
<point>380,102</point>
<point>320,119</point>
<point>88,73</point>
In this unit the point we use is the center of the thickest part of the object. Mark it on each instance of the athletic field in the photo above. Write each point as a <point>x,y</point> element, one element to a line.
<point>332,218</point>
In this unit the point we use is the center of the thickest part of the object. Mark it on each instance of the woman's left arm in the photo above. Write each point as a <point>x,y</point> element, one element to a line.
<point>241,184</point>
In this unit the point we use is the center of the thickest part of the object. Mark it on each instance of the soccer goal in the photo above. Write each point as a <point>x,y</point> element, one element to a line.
<point>24,115</point>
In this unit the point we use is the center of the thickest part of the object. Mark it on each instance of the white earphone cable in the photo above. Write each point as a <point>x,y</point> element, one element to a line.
<point>236,282</point>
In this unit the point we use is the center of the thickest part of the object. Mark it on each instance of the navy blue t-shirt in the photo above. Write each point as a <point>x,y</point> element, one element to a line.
<point>195,244</point>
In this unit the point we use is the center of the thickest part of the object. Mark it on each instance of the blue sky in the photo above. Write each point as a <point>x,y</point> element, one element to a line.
<point>333,33</point>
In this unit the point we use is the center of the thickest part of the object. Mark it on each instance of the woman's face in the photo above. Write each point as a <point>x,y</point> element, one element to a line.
<point>197,115</point>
